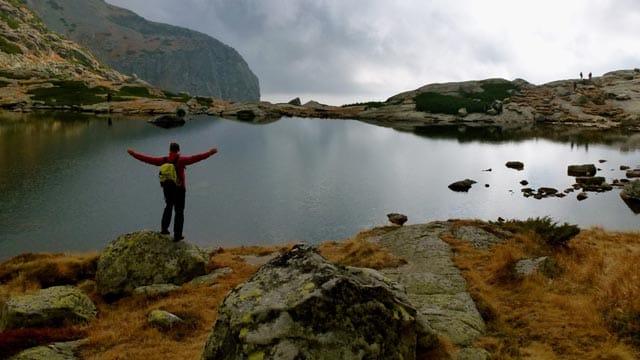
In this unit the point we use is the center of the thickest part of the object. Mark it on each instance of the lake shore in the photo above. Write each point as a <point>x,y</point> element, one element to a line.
<point>594,310</point>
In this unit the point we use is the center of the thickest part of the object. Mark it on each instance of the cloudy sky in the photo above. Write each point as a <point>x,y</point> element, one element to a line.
<point>345,51</point>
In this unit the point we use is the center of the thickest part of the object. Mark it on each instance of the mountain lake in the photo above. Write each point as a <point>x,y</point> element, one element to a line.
<point>68,184</point>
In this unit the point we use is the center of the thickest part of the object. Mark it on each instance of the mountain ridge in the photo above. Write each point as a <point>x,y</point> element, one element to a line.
<point>170,57</point>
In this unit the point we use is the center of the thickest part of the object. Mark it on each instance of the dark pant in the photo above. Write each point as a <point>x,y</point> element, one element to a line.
<point>174,198</point>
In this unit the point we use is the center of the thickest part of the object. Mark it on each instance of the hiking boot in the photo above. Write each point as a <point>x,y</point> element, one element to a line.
<point>178,238</point>
<point>165,232</point>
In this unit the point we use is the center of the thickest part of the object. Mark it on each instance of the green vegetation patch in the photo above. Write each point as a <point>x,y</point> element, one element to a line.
<point>69,93</point>
<point>9,19</point>
<point>550,232</point>
<point>434,102</point>
<point>8,47</point>
<point>137,91</point>
<point>181,97</point>
<point>204,101</point>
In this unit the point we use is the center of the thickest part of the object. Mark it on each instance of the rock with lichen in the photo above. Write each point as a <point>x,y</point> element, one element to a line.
<point>301,306</point>
<point>51,307</point>
<point>146,258</point>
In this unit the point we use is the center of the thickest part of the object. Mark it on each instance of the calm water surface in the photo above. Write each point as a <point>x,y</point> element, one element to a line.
<point>68,184</point>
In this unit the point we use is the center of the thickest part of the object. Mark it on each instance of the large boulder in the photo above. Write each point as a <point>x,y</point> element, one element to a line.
<point>52,307</point>
<point>301,306</point>
<point>147,258</point>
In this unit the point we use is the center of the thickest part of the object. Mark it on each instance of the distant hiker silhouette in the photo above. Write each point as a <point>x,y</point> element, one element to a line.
<point>589,76</point>
<point>174,183</point>
<point>580,75</point>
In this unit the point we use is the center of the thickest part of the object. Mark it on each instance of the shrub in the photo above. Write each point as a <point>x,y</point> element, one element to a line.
<point>552,233</point>
<point>367,105</point>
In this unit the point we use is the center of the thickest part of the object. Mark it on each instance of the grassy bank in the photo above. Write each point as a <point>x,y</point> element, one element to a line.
<point>584,305</point>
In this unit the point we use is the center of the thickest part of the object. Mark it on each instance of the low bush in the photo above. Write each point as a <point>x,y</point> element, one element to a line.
<point>138,91</point>
<point>367,105</point>
<point>550,232</point>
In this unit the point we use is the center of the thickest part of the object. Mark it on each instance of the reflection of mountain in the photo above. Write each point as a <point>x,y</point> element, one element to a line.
<point>170,57</point>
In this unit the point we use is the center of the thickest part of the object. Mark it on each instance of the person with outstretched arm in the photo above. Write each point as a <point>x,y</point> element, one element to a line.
<point>174,190</point>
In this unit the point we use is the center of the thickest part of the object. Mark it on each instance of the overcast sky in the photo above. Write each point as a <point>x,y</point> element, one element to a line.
<point>344,51</point>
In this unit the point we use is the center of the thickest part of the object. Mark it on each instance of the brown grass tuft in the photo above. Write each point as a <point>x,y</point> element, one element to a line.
<point>14,341</point>
<point>563,316</point>
<point>360,253</point>
<point>28,272</point>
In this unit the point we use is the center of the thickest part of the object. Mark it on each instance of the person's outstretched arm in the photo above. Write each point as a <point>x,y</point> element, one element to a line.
<point>188,160</point>
<point>147,159</point>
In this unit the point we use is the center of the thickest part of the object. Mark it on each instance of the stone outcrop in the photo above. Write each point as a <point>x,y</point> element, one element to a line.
<point>51,307</point>
<point>169,57</point>
<point>56,351</point>
<point>435,286</point>
<point>299,305</point>
<point>147,258</point>
<point>631,195</point>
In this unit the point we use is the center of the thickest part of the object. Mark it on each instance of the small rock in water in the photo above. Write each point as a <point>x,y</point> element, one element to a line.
<point>582,196</point>
<point>398,219</point>
<point>518,165</point>
<point>524,183</point>
<point>462,185</point>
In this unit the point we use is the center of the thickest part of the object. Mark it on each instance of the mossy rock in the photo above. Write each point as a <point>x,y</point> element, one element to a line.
<point>300,305</point>
<point>146,258</point>
<point>52,307</point>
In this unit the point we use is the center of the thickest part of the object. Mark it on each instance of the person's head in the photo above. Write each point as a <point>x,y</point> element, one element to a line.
<point>174,147</point>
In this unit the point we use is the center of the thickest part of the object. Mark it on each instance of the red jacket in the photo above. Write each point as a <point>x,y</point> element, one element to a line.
<point>182,163</point>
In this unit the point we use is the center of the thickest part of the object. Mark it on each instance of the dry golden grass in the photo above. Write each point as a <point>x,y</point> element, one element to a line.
<point>28,272</point>
<point>121,330</point>
<point>359,252</point>
<point>565,314</point>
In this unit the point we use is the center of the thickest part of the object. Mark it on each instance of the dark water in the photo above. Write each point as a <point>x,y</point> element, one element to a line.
<point>68,184</point>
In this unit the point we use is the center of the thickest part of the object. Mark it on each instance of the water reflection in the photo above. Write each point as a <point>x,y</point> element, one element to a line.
<point>71,186</point>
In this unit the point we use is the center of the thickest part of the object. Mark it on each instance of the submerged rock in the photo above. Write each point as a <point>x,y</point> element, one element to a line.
<point>301,306</point>
<point>51,307</point>
<point>146,258</point>
<point>581,170</point>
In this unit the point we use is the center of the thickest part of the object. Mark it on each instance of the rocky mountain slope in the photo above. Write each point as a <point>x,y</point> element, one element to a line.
<point>41,70</point>
<point>169,57</point>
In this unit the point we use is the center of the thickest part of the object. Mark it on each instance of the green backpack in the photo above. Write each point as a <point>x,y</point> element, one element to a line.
<point>168,173</point>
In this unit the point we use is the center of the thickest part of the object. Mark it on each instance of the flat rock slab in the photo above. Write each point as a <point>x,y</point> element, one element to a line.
<point>434,285</point>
